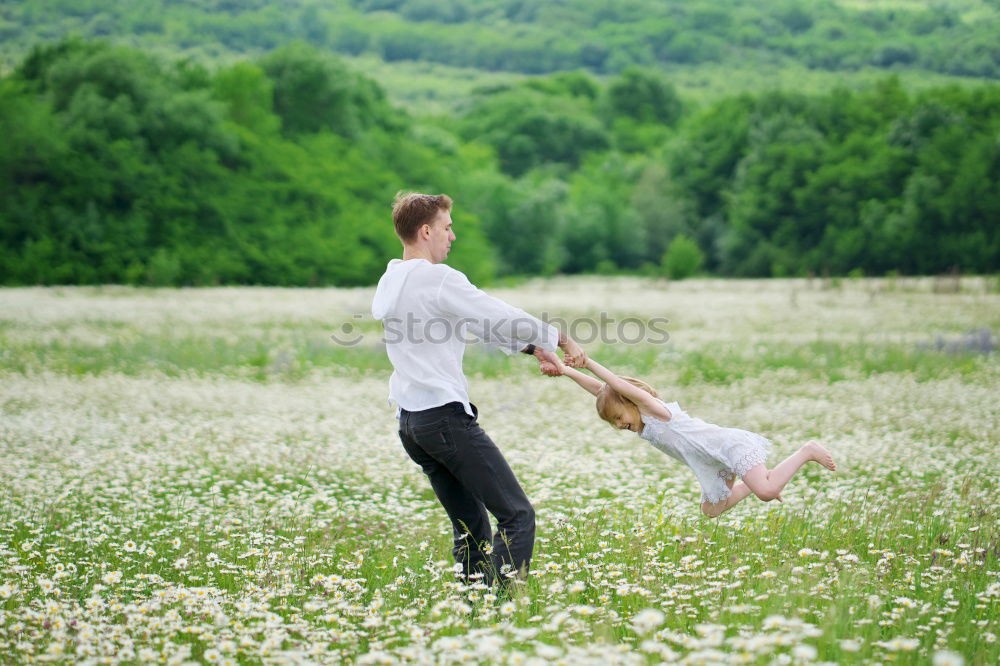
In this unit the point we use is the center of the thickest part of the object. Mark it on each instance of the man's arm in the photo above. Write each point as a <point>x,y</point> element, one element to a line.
<point>548,362</point>
<point>645,401</point>
<point>494,322</point>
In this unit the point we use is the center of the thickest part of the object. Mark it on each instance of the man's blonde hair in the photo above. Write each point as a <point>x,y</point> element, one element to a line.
<point>611,403</point>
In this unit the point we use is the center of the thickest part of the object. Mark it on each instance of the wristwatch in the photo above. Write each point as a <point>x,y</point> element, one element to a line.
<point>529,350</point>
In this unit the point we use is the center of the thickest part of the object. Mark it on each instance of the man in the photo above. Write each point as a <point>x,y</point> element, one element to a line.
<point>427,310</point>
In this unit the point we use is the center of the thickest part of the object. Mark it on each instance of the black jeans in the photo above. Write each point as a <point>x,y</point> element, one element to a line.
<point>470,477</point>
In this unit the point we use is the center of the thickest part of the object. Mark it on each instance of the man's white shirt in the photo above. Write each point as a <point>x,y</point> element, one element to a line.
<point>429,312</point>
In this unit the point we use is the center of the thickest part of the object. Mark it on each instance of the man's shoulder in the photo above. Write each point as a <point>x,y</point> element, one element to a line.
<point>430,280</point>
<point>444,271</point>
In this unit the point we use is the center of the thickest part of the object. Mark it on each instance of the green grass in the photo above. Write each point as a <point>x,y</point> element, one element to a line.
<point>288,354</point>
<point>258,474</point>
<point>766,544</point>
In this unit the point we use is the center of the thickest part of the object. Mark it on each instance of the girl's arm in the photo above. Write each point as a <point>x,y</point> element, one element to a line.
<point>643,400</point>
<point>586,382</point>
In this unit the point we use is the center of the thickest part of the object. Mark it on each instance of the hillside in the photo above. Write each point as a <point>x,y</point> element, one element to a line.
<point>707,48</point>
<point>192,145</point>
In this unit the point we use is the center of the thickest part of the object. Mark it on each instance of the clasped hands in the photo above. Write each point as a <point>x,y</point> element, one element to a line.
<point>573,355</point>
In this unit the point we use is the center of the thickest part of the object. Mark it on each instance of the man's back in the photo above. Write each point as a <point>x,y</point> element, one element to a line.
<point>425,343</point>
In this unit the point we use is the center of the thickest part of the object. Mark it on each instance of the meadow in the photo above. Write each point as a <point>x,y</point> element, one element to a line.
<point>206,475</point>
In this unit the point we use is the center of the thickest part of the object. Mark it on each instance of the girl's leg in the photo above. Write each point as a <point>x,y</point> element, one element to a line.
<point>739,492</point>
<point>767,485</point>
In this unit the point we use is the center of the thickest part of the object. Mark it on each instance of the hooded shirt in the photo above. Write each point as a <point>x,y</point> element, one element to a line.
<point>429,312</point>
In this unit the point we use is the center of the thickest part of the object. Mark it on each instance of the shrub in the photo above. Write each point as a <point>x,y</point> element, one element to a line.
<point>682,259</point>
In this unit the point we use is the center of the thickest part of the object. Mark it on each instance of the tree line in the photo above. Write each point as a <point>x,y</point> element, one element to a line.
<point>120,167</point>
<point>956,38</point>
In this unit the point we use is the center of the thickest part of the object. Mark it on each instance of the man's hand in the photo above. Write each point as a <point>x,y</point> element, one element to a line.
<point>573,354</point>
<point>548,363</point>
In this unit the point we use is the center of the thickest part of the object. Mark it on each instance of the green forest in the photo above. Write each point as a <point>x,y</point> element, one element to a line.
<point>217,142</point>
<point>954,37</point>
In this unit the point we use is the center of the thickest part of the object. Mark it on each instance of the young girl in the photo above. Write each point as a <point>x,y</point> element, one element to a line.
<point>717,455</point>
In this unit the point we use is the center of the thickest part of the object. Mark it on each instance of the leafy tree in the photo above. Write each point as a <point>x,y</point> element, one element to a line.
<point>314,92</point>
<point>600,225</point>
<point>763,238</point>
<point>704,158</point>
<point>642,96</point>
<point>249,96</point>
<point>682,259</point>
<point>662,209</point>
<point>119,167</point>
<point>639,106</point>
<point>528,129</point>
<point>514,35</point>
<point>123,170</point>
<point>525,221</point>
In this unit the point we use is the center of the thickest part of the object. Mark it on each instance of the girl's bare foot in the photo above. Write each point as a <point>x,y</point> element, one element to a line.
<point>819,453</point>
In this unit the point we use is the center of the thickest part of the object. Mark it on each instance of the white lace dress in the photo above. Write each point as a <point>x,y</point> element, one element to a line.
<point>716,454</point>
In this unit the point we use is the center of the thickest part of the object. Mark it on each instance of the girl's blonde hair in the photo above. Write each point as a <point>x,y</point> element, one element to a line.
<point>611,403</point>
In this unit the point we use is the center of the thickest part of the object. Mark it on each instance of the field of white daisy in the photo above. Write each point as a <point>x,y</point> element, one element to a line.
<point>206,475</point>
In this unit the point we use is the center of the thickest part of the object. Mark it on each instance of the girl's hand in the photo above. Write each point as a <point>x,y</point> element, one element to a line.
<point>573,353</point>
<point>548,363</point>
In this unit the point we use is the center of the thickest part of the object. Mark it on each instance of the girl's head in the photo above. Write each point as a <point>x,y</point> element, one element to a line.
<point>618,410</point>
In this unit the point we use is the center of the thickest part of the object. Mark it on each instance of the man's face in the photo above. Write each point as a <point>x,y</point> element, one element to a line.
<point>441,237</point>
